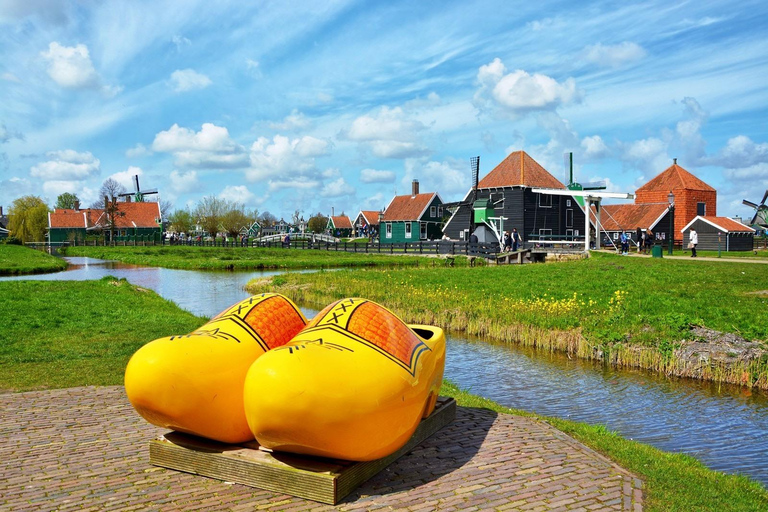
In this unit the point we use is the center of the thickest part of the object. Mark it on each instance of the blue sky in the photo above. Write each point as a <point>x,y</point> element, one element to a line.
<point>312,105</point>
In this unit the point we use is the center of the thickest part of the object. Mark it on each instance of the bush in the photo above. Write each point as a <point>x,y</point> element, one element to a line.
<point>12,240</point>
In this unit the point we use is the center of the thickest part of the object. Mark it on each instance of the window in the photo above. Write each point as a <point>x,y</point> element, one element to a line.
<point>569,218</point>
<point>407,230</point>
<point>423,230</point>
<point>440,211</point>
<point>545,201</point>
<point>569,234</point>
<point>461,234</point>
<point>701,209</point>
<point>389,229</point>
<point>432,211</point>
<point>615,236</point>
<point>544,232</point>
<point>568,203</point>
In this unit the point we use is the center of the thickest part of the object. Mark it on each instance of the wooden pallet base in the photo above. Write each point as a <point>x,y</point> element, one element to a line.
<point>314,478</point>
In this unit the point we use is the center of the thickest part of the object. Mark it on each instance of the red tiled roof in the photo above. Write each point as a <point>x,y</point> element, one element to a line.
<point>675,177</point>
<point>139,215</point>
<point>371,216</point>
<point>519,169</point>
<point>724,223</point>
<point>341,222</point>
<point>407,207</point>
<point>629,217</point>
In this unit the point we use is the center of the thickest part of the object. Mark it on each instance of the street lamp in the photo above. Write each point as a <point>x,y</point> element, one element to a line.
<point>671,199</point>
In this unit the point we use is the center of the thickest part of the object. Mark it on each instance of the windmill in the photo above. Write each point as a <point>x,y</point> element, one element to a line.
<point>139,194</point>
<point>761,212</point>
<point>572,185</point>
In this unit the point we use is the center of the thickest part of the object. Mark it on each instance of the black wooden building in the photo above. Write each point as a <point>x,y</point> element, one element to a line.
<point>507,192</point>
<point>719,233</point>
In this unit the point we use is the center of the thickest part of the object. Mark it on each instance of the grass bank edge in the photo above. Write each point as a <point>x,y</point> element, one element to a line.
<point>20,260</point>
<point>645,335</point>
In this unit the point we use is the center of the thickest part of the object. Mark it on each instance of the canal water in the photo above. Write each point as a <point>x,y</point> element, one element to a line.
<point>726,427</point>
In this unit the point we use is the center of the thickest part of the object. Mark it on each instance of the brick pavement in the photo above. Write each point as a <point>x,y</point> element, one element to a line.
<point>86,449</point>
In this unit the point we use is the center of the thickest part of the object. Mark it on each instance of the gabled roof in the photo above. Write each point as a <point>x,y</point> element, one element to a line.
<point>341,222</point>
<point>629,217</point>
<point>519,169</point>
<point>370,216</point>
<point>130,215</point>
<point>674,178</point>
<point>408,207</point>
<point>724,224</point>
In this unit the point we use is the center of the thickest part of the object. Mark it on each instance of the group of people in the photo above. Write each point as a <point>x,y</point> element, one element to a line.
<point>512,241</point>
<point>645,241</point>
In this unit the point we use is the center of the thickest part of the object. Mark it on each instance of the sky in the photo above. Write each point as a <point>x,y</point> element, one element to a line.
<point>314,106</point>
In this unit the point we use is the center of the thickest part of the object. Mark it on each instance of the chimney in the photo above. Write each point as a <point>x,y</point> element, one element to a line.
<point>332,212</point>
<point>415,188</point>
<point>77,206</point>
<point>127,199</point>
<point>1,211</point>
<point>674,160</point>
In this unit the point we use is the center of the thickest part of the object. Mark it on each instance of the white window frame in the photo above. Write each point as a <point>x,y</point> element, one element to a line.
<point>408,230</point>
<point>423,230</point>
<point>389,229</point>
<point>568,203</point>
<point>569,218</point>
<point>615,236</point>
<point>433,211</point>
<point>544,231</point>
<point>545,205</point>
<point>569,233</point>
<point>440,212</point>
<point>461,234</point>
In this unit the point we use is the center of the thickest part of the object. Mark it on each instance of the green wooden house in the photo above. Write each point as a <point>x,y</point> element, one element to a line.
<point>132,221</point>
<point>339,226</point>
<point>412,218</point>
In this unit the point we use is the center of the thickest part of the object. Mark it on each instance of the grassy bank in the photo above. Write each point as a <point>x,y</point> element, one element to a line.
<point>17,259</point>
<point>630,311</point>
<point>62,334</point>
<point>57,334</point>
<point>248,258</point>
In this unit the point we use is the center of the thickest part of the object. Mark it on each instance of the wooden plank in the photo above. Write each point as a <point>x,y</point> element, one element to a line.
<point>314,478</point>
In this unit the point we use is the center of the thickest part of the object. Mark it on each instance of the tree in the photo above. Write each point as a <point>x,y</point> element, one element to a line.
<point>209,212</point>
<point>182,221</point>
<point>28,219</point>
<point>234,219</point>
<point>165,207</point>
<point>317,223</point>
<point>109,188</point>
<point>267,220</point>
<point>66,201</point>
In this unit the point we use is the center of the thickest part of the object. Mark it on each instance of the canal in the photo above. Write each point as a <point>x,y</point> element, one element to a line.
<point>726,427</point>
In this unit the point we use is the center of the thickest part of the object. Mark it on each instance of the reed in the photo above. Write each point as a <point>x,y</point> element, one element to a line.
<point>558,307</point>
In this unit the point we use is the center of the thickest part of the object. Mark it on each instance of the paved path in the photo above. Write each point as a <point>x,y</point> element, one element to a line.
<point>85,449</point>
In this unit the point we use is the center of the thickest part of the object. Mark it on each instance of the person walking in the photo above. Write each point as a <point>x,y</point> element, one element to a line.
<point>624,243</point>
<point>507,242</point>
<point>694,241</point>
<point>516,240</point>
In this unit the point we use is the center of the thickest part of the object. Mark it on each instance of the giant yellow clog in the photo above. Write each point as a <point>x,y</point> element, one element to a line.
<point>194,383</point>
<point>353,385</point>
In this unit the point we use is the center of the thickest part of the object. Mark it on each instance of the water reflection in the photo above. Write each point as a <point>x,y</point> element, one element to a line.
<point>204,293</point>
<point>723,426</point>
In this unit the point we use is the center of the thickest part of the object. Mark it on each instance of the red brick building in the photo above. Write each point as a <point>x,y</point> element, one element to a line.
<point>692,196</point>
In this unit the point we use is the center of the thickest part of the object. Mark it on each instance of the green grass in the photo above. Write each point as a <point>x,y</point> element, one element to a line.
<point>239,258</point>
<point>592,307</point>
<point>57,334</point>
<point>17,259</point>
<point>62,334</point>
<point>672,482</point>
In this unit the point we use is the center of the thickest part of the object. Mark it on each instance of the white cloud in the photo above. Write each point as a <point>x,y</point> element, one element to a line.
<point>323,97</point>
<point>648,155</point>
<point>594,147</point>
<point>293,122</point>
<point>448,177</point>
<point>50,11</point>
<point>183,182</point>
<point>10,77</point>
<point>71,66</point>
<point>337,188</point>
<point>125,178</point>
<point>188,80</point>
<point>614,56</point>
<point>66,165</point>
<point>237,194</point>
<point>137,151</point>
<point>519,92</point>
<point>740,152</point>
<point>296,183</point>
<point>388,134</point>
<point>282,156</point>
<point>180,42</point>
<point>210,148</point>
<point>53,189</point>
<point>757,172</point>
<point>374,176</point>
<point>376,202</point>
<point>251,64</point>
<point>6,134</point>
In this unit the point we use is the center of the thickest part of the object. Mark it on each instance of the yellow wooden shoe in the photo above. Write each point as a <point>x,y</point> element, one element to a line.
<point>353,385</point>
<point>193,383</point>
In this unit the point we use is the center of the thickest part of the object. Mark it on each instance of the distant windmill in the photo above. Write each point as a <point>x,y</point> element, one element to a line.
<point>761,212</point>
<point>595,185</point>
<point>138,194</point>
